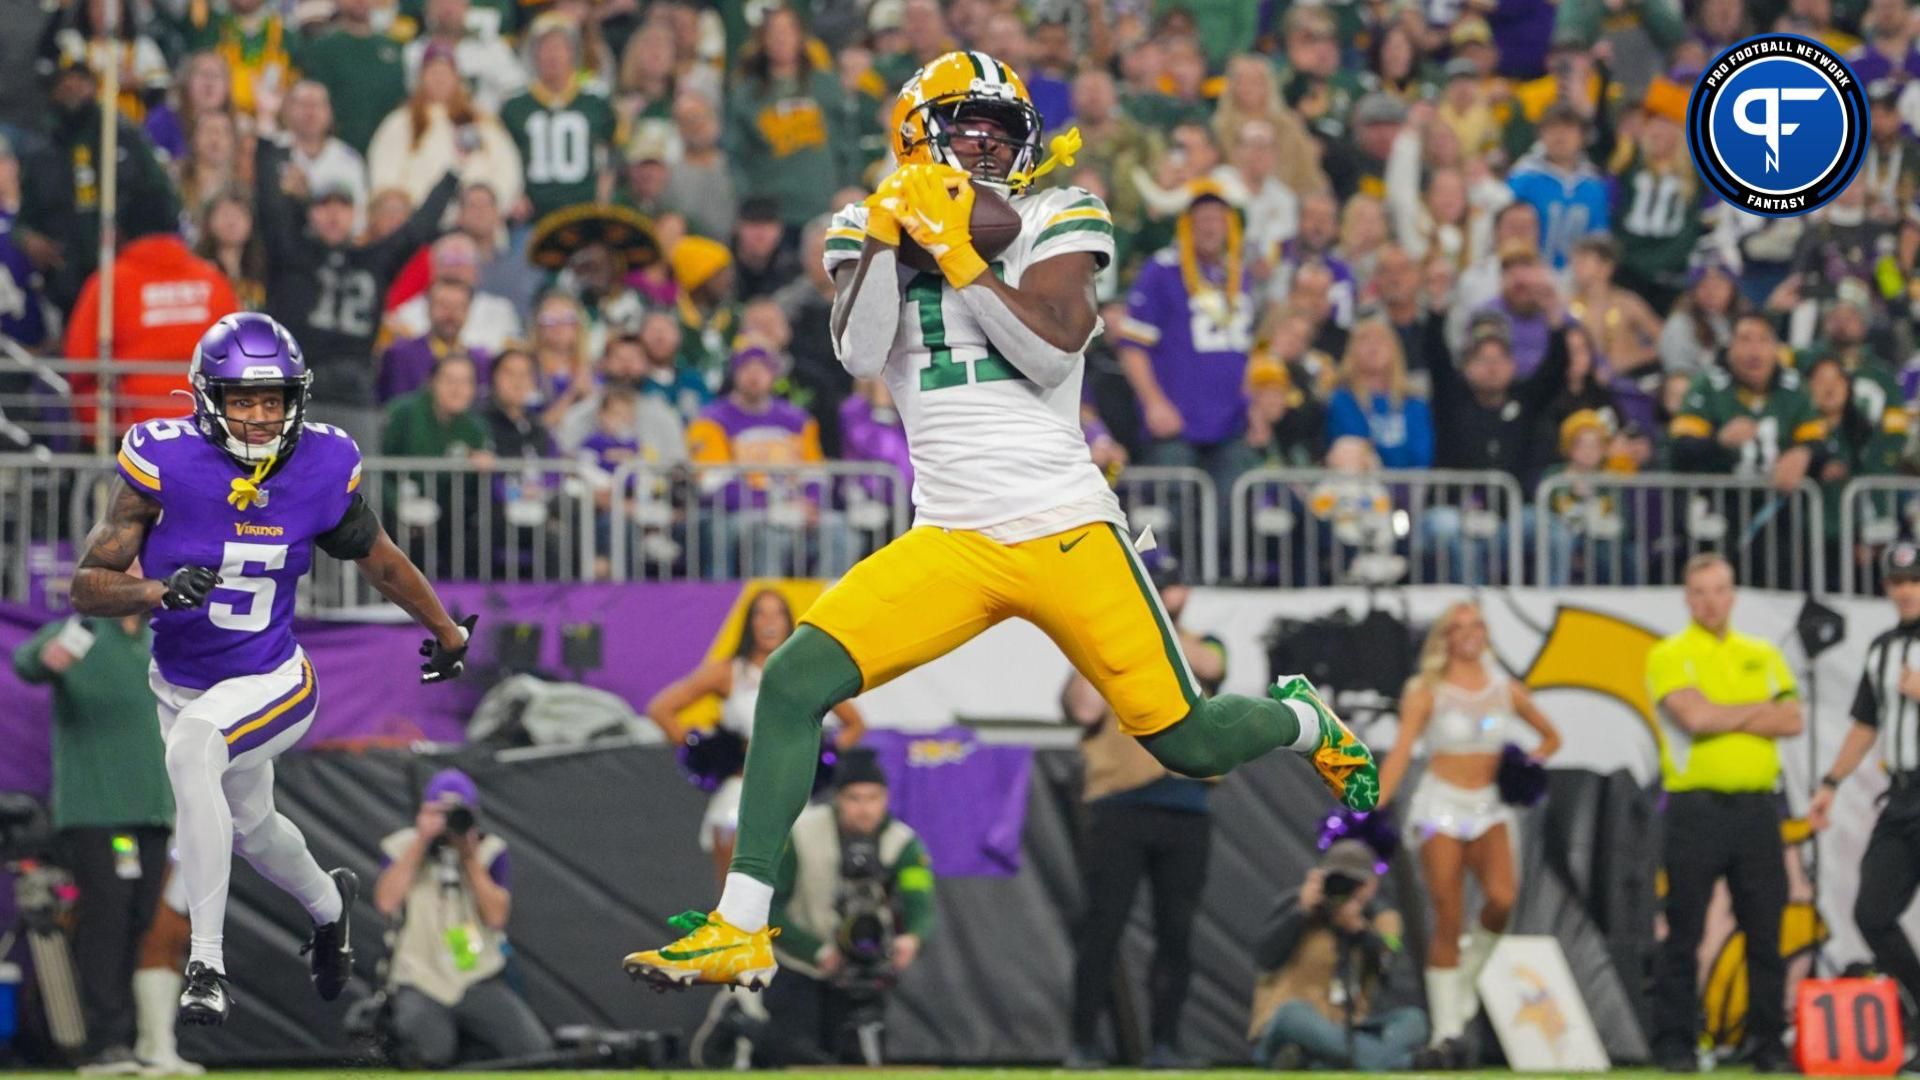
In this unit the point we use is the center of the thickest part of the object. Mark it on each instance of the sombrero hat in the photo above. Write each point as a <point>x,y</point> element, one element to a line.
<point>562,233</point>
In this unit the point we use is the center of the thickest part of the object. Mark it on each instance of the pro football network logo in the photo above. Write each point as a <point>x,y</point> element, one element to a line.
<point>1778,125</point>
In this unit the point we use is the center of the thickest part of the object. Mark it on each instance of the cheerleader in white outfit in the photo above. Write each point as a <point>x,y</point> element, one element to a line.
<point>1465,710</point>
<point>735,680</point>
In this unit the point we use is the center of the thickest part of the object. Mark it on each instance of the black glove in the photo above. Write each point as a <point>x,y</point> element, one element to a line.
<point>188,587</point>
<point>443,663</point>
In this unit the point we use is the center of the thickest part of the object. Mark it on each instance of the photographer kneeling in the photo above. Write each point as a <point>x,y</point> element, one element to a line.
<point>853,903</point>
<point>445,879</point>
<point>1323,962</point>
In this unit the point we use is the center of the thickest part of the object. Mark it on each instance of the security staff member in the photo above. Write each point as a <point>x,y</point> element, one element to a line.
<point>1723,699</point>
<point>1886,709</point>
<point>1142,822</point>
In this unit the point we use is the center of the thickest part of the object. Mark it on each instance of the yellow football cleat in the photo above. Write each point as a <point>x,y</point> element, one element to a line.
<point>711,951</point>
<point>1343,762</point>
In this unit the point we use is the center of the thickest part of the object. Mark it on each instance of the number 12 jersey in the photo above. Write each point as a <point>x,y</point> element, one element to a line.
<point>246,625</point>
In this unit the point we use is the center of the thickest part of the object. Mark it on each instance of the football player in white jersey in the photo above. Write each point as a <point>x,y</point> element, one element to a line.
<point>1012,518</point>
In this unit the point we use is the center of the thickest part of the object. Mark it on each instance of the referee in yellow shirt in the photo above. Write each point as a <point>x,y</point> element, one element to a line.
<point>1723,698</point>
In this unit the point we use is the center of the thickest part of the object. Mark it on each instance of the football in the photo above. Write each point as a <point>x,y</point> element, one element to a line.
<point>995,224</point>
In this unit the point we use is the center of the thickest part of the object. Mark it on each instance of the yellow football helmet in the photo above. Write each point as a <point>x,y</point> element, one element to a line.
<point>958,85</point>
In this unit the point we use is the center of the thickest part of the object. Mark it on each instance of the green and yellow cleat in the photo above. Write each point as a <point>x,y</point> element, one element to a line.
<point>1343,762</point>
<point>710,951</point>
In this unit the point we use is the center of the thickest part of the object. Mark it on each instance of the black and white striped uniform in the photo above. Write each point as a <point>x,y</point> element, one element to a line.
<point>1879,704</point>
<point>1890,869</point>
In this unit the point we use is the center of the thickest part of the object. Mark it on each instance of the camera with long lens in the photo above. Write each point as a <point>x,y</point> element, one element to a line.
<point>867,926</point>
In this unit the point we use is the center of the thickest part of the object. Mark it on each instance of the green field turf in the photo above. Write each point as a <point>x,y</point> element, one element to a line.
<point>891,1074</point>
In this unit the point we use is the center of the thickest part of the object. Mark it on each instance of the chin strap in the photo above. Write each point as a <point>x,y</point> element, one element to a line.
<point>245,491</point>
<point>1061,150</point>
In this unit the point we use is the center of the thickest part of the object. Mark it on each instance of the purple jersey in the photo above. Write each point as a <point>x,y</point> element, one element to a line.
<point>1199,350</point>
<point>246,625</point>
<point>1870,65</point>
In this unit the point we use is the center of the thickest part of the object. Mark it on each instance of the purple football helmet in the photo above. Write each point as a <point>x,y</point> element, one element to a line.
<point>248,350</point>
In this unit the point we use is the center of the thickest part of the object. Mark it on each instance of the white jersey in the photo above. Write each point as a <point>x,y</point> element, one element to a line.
<point>989,447</point>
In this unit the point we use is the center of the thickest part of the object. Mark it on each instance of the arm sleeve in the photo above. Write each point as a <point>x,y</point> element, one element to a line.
<point>278,222</point>
<point>421,229</point>
<point>1866,707</point>
<point>913,882</point>
<point>354,536</point>
<point>1025,349</point>
<point>1403,190</point>
<point>873,315</point>
<point>26,658</point>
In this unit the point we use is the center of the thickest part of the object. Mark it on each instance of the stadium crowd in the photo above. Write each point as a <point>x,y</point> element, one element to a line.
<point>1462,235</point>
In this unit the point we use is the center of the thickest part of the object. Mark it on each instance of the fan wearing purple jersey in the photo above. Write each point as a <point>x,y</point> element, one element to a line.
<point>222,510</point>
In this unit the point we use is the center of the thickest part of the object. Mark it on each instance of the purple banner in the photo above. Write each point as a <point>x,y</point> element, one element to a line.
<point>25,711</point>
<point>369,673</point>
<point>967,801</point>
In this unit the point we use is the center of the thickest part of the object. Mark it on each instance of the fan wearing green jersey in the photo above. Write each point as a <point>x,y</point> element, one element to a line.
<point>1657,198</point>
<point>1851,444</point>
<point>1844,337</point>
<point>566,133</point>
<point>1736,420</point>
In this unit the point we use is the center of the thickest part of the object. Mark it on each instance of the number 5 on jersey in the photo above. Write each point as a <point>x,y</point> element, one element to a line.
<point>235,560</point>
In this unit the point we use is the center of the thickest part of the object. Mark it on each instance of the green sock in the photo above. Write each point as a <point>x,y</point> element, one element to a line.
<point>1225,732</point>
<point>804,678</point>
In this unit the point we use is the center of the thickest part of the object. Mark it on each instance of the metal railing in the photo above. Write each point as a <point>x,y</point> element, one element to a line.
<point>1312,527</point>
<point>464,519</point>
<point>67,404</point>
<point>1874,511</point>
<point>1182,506</point>
<point>1618,529</point>
<point>718,522</point>
<point>48,502</point>
<point>560,520</point>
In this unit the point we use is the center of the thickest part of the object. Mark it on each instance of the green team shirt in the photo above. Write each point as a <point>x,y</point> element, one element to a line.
<point>1658,223</point>
<point>1782,415</point>
<point>364,76</point>
<point>785,142</point>
<point>564,143</point>
<point>1873,449</point>
<point>1876,387</point>
<point>109,767</point>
